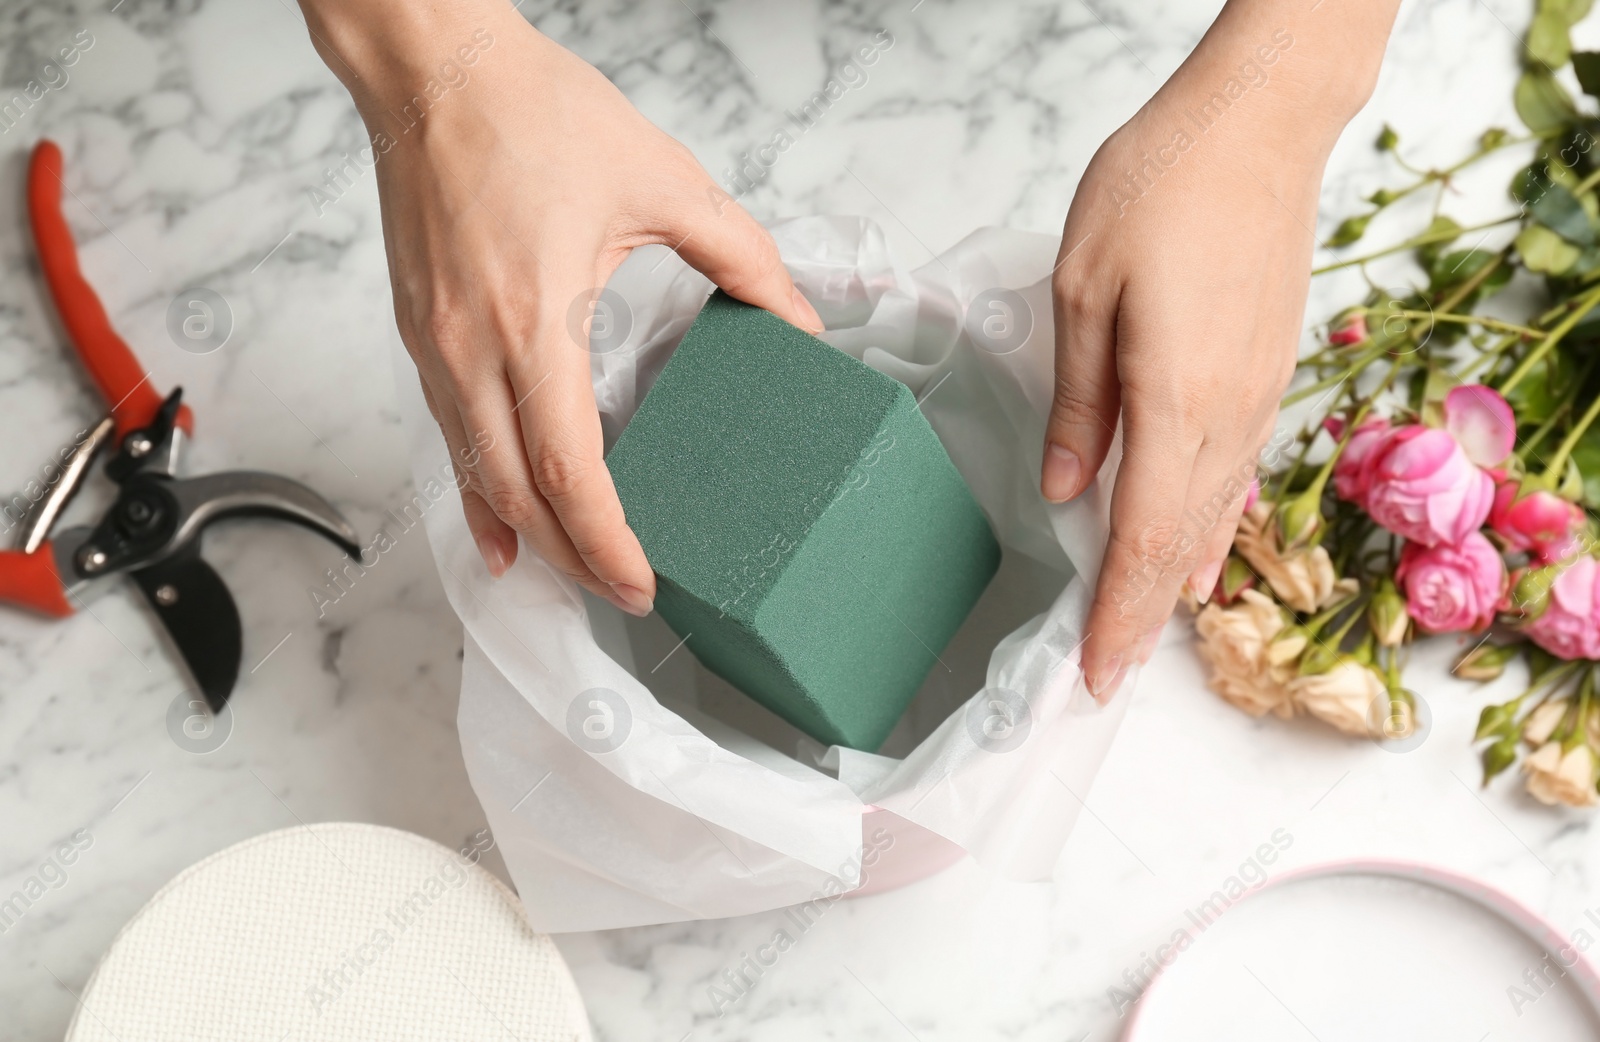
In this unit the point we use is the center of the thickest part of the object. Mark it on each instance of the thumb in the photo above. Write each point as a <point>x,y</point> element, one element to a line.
<point>1087,398</point>
<point>729,247</point>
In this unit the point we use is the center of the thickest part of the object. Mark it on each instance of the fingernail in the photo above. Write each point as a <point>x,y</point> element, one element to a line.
<point>1147,647</point>
<point>810,320</point>
<point>1061,470</point>
<point>1103,683</point>
<point>632,600</point>
<point>494,555</point>
<point>1204,581</point>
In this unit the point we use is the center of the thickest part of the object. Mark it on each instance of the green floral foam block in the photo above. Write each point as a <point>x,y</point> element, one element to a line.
<point>810,536</point>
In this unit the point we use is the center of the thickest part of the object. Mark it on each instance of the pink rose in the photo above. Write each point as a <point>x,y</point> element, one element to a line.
<point>1452,588</point>
<point>1352,473</point>
<point>1541,522</point>
<point>1569,626</point>
<point>1424,488</point>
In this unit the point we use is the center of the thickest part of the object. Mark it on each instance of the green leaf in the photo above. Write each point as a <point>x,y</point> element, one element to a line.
<point>1544,388</point>
<point>1562,174</point>
<point>1381,198</point>
<point>1350,230</point>
<point>1530,182</point>
<point>1458,266</point>
<point>1570,11</point>
<point>1542,250</point>
<point>1542,103</point>
<point>1498,757</point>
<point>1493,722</point>
<point>1441,232</point>
<point>1387,139</point>
<point>1571,486</point>
<point>1588,261</point>
<point>1494,137</point>
<point>1586,454</point>
<point>1587,65</point>
<point>1548,43</point>
<point>1559,210</point>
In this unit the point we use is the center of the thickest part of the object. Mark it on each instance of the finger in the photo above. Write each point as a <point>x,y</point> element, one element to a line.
<point>496,542</point>
<point>1221,506</point>
<point>1216,507</point>
<point>560,430</point>
<point>734,251</point>
<point>1147,555</point>
<point>1083,412</point>
<point>1215,499</point>
<point>504,476</point>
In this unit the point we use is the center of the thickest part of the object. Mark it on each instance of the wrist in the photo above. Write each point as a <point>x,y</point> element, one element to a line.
<point>1285,76</point>
<point>384,51</point>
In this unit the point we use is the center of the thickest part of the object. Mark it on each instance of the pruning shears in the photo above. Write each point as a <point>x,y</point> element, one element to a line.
<point>152,532</point>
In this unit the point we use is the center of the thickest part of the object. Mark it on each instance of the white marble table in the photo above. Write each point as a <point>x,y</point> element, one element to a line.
<point>192,142</point>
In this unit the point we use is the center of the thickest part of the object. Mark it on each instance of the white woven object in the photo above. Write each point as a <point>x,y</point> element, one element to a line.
<point>331,932</point>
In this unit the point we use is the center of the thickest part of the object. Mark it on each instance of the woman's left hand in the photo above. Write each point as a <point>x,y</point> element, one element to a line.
<point>1179,294</point>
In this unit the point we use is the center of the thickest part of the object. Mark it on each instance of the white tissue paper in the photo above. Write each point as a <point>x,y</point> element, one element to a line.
<point>626,785</point>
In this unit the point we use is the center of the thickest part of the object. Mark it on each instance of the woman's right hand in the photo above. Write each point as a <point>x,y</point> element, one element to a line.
<point>513,178</point>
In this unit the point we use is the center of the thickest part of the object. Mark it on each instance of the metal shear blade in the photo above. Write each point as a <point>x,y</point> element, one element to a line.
<point>152,533</point>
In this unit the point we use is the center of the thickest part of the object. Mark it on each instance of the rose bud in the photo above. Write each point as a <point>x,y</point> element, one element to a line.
<point>1352,330</point>
<point>1386,615</point>
<point>1299,519</point>
<point>1235,579</point>
<point>1538,522</point>
<point>1486,662</point>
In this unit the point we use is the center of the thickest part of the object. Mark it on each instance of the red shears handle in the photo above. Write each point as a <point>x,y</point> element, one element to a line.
<point>111,363</point>
<point>31,581</point>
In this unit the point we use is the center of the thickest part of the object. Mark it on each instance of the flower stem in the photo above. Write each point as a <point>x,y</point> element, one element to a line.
<point>1572,732</point>
<point>1558,461</point>
<point>1358,602</point>
<point>1362,361</point>
<point>1532,441</point>
<point>1587,183</point>
<point>1584,305</point>
<point>1490,355</point>
<point>1442,177</point>
<point>1314,625</point>
<point>1425,239</point>
<point>1477,279</point>
<point>1465,320</point>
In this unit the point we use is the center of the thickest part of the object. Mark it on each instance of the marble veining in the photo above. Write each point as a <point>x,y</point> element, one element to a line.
<point>196,137</point>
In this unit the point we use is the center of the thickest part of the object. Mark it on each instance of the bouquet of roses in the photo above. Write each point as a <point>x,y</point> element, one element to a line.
<point>1442,482</point>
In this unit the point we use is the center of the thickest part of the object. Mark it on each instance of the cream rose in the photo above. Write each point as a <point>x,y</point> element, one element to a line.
<point>1248,664</point>
<point>1556,777</point>
<point>1304,579</point>
<point>1343,696</point>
